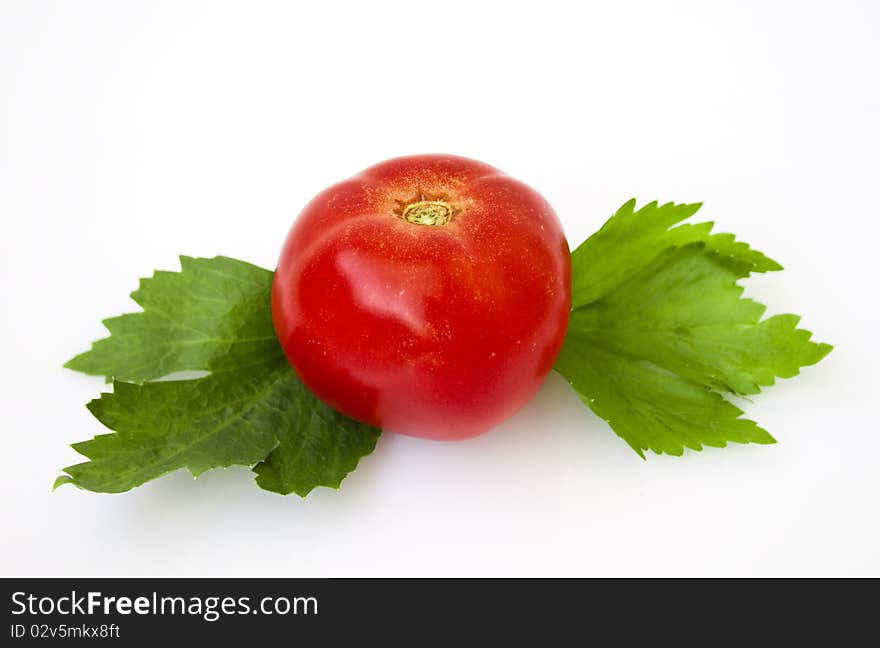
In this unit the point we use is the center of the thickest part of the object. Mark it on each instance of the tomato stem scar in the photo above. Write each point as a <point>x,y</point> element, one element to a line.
<point>428,212</point>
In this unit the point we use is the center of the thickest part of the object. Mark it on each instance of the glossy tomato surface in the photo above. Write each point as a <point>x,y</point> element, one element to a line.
<point>428,295</point>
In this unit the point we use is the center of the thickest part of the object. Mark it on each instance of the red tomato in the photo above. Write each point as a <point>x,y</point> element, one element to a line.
<point>428,295</point>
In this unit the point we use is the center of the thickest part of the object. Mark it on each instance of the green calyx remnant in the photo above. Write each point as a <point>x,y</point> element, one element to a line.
<point>428,212</point>
<point>659,331</point>
<point>250,410</point>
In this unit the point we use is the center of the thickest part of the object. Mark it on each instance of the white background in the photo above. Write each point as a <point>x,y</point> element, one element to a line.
<point>134,131</point>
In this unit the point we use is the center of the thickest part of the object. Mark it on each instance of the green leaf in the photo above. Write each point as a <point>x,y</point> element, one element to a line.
<point>685,312</point>
<point>321,449</point>
<point>649,408</point>
<point>201,424</point>
<point>663,328</point>
<point>214,314</point>
<point>632,238</point>
<point>223,419</point>
<point>251,409</point>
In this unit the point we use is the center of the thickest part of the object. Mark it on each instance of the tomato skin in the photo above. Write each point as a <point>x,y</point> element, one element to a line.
<point>432,330</point>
